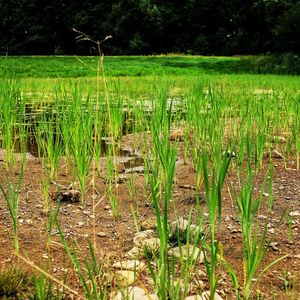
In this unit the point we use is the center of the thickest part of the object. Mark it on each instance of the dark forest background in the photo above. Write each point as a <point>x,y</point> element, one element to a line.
<point>210,27</point>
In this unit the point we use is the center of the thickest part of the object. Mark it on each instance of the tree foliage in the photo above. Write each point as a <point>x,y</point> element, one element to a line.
<point>214,27</point>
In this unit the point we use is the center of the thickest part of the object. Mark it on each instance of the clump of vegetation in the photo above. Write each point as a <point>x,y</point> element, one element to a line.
<point>14,283</point>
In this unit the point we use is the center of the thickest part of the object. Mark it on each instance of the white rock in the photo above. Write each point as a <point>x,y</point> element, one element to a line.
<point>295,213</point>
<point>80,224</point>
<point>131,265</point>
<point>151,244</point>
<point>134,253</point>
<point>141,236</point>
<point>206,295</point>
<point>180,224</point>
<point>135,293</point>
<point>195,297</point>
<point>101,234</point>
<point>185,251</point>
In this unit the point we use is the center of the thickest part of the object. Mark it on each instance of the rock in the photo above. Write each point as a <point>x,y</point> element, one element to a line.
<point>101,234</point>
<point>134,253</point>
<point>182,224</point>
<point>151,244</point>
<point>149,224</point>
<point>130,265</point>
<point>141,236</point>
<point>206,296</point>
<point>274,245</point>
<point>80,224</point>
<point>195,297</point>
<point>135,293</point>
<point>184,251</point>
<point>72,196</point>
<point>138,170</point>
<point>295,213</point>
<point>271,230</point>
<point>126,278</point>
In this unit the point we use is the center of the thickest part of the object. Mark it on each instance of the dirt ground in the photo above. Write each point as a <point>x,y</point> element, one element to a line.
<point>114,236</point>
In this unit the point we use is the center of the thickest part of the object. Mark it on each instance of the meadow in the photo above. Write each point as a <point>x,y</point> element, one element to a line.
<point>151,177</point>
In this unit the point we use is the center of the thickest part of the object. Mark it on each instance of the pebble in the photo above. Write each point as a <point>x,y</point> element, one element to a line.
<point>80,224</point>
<point>101,234</point>
<point>149,224</point>
<point>274,245</point>
<point>134,253</point>
<point>135,293</point>
<point>185,252</point>
<point>141,236</point>
<point>130,265</point>
<point>295,213</point>
<point>203,296</point>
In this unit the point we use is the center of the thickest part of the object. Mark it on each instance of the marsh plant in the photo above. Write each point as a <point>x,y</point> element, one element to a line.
<point>11,195</point>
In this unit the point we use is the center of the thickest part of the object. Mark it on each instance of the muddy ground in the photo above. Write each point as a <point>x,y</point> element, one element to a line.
<point>113,236</point>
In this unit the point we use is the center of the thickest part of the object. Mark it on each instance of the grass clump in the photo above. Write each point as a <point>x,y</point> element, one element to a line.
<point>15,282</point>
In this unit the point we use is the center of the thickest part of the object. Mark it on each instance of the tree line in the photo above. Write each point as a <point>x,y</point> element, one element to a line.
<point>209,27</point>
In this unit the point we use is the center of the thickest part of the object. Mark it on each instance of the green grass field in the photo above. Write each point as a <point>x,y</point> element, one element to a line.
<point>227,125</point>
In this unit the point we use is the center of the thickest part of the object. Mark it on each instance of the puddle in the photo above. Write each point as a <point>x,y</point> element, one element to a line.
<point>132,161</point>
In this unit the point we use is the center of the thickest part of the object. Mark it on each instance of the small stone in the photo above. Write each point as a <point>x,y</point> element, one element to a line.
<point>150,223</point>
<point>134,253</point>
<point>138,170</point>
<point>107,207</point>
<point>45,256</point>
<point>195,297</point>
<point>101,234</point>
<point>274,246</point>
<point>206,296</point>
<point>271,230</point>
<point>186,252</point>
<point>141,236</point>
<point>135,293</point>
<point>151,244</point>
<point>39,206</point>
<point>295,213</point>
<point>130,265</point>
<point>80,224</point>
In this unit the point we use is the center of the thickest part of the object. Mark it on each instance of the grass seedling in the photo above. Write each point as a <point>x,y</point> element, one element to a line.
<point>12,198</point>
<point>254,249</point>
<point>95,287</point>
<point>213,191</point>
